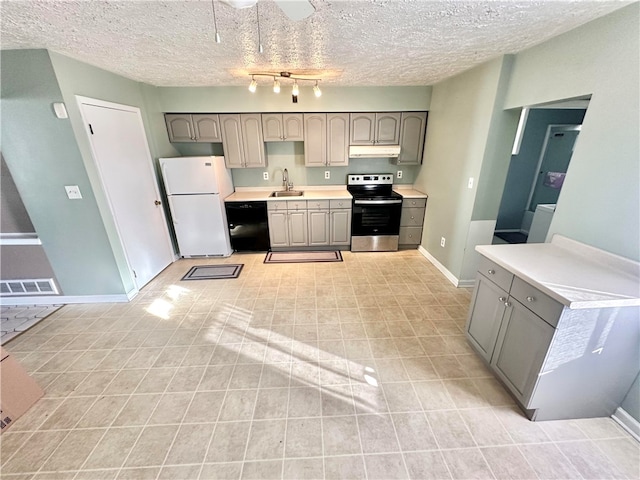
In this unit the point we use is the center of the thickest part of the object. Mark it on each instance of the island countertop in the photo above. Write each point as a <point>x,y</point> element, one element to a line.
<point>573,273</point>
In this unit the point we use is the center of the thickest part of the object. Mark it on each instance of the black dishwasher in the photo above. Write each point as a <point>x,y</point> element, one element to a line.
<point>248,226</point>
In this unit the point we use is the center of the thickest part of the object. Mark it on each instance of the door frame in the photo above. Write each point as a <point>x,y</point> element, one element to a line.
<point>81,100</point>
<point>567,127</point>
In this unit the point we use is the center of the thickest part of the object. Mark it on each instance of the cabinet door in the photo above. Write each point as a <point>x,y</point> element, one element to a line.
<point>272,128</point>
<point>338,139</point>
<point>412,133</point>
<point>387,128</point>
<point>207,128</point>
<point>278,228</point>
<point>487,309</point>
<point>522,345</point>
<point>298,228</point>
<point>340,227</point>
<point>179,127</point>
<point>232,140</point>
<point>363,128</point>
<point>318,227</point>
<point>252,140</point>
<point>315,139</point>
<point>293,127</point>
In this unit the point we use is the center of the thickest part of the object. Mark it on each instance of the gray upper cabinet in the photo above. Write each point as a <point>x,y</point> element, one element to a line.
<point>375,128</point>
<point>281,127</point>
<point>242,140</point>
<point>193,128</point>
<point>338,139</point>
<point>315,139</point>
<point>412,134</point>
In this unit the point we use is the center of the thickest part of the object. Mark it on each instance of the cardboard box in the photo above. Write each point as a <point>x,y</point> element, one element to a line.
<point>18,391</point>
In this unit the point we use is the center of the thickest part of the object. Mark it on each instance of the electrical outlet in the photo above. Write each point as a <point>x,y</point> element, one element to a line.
<point>399,174</point>
<point>265,175</point>
<point>442,241</point>
<point>327,174</point>
<point>470,184</point>
<point>73,192</point>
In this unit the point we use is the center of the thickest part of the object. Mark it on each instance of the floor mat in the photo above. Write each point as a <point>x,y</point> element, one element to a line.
<point>512,237</point>
<point>303,257</point>
<point>214,272</point>
<point>16,319</point>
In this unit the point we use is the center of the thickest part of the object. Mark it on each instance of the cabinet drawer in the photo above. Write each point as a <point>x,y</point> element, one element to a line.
<point>412,217</point>
<point>410,235</point>
<point>414,202</point>
<point>495,273</point>
<point>336,204</point>
<point>277,205</point>
<point>318,204</point>
<point>536,301</point>
<point>296,204</point>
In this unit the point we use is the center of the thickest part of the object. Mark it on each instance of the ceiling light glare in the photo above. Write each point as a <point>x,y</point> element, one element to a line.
<point>276,85</point>
<point>316,90</point>
<point>295,90</point>
<point>253,85</point>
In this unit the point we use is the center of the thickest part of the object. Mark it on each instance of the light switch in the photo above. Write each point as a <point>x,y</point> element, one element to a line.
<point>73,192</point>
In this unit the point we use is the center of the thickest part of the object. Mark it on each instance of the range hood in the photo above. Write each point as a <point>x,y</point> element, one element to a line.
<point>374,151</point>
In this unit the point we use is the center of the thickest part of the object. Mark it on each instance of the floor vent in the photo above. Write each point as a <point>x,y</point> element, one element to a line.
<point>40,286</point>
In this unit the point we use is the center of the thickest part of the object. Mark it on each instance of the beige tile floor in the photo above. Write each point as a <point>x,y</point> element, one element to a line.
<point>355,370</point>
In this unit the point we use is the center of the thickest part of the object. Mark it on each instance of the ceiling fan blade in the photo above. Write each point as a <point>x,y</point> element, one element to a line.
<point>296,9</point>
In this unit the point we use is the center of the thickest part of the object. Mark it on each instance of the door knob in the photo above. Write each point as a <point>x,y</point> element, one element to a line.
<point>158,202</point>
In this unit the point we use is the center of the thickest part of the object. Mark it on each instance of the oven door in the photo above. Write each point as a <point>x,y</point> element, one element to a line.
<point>376,217</point>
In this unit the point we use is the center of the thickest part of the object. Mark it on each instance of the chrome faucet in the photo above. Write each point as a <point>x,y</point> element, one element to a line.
<point>285,180</point>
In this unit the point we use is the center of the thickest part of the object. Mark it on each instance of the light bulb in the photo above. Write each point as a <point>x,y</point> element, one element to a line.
<point>295,91</point>
<point>316,90</point>
<point>276,85</point>
<point>253,85</point>
<point>260,49</point>
<point>217,37</point>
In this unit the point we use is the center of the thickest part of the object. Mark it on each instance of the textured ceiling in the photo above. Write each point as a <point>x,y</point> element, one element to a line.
<point>346,43</point>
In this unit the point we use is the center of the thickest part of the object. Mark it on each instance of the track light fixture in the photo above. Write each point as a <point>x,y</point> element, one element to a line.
<point>295,89</point>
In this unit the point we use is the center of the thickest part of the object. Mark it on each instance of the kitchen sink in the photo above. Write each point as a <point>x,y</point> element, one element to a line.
<point>284,193</point>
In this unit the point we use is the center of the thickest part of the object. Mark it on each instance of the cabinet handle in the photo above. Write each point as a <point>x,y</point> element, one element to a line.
<point>502,299</point>
<point>507,304</point>
<point>491,271</point>
<point>412,217</point>
<point>530,299</point>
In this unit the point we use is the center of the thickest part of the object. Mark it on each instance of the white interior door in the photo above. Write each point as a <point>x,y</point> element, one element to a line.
<point>121,152</point>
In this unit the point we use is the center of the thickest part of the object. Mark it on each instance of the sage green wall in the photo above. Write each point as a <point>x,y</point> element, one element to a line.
<point>460,119</point>
<point>333,99</point>
<point>600,200</point>
<point>43,156</point>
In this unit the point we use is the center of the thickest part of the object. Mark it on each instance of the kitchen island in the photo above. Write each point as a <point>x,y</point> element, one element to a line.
<point>559,324</point>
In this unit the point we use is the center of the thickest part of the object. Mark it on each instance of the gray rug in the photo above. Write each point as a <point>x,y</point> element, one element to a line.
<point>303,257</point>
<point>214,272</point>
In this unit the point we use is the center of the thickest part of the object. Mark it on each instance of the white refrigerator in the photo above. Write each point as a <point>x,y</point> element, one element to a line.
<point>196,188</point>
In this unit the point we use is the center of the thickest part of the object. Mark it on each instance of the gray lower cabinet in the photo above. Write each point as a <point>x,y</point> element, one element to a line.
<point>242,140</point>
<point>193,127</point>
<point>411,221</point>
<point>557,362</point>
<point>312,223</point>
<point>340,222</point>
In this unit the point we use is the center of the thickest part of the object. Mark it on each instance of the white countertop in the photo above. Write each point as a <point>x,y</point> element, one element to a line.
<point>574,274</point>
<point>332,192</point>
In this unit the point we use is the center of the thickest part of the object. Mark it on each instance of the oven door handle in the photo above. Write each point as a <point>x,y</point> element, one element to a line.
<point>377,202</point>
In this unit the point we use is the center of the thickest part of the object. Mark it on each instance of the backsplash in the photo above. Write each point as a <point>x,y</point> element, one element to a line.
<point>290,155</point>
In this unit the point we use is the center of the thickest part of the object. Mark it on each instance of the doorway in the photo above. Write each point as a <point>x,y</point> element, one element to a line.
<point>538,169</point>
<point>121,152</point>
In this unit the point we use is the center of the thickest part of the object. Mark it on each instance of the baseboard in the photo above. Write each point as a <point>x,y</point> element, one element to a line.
<point>627,422</point>
<point>66,299</point>
<point>450,276</point>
